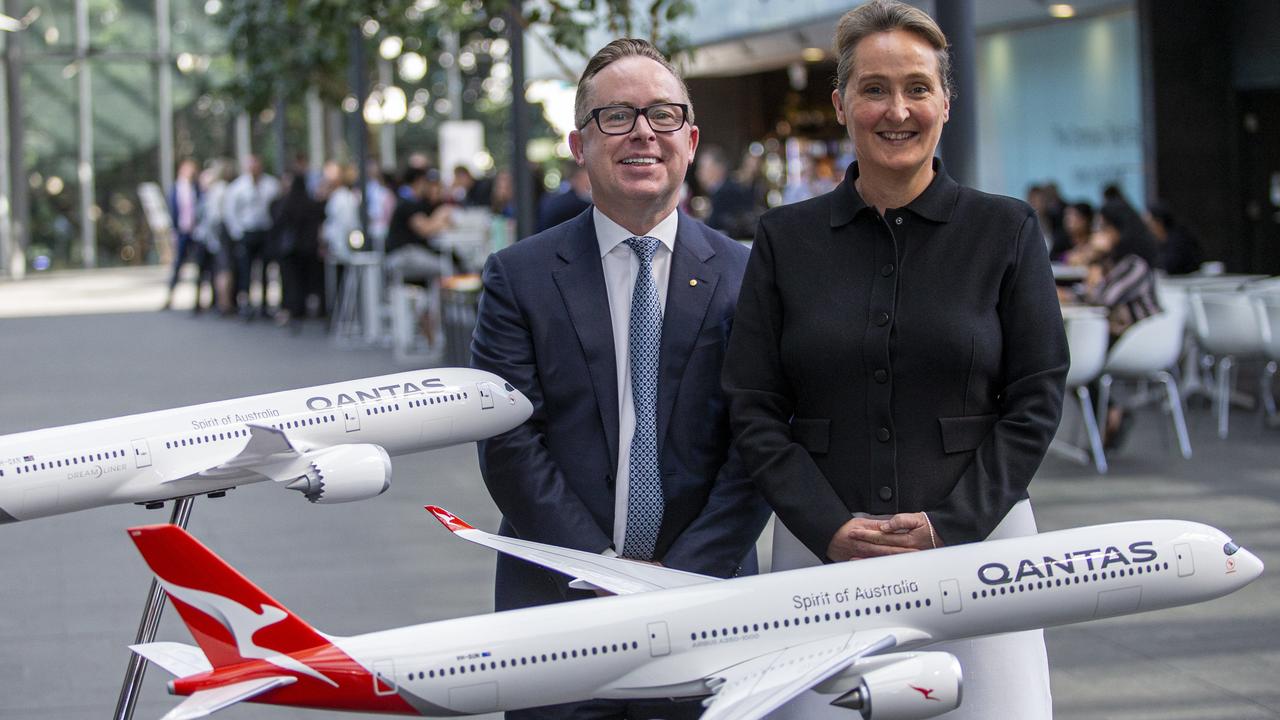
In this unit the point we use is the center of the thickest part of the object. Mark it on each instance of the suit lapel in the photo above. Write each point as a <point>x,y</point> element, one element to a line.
<point>690,287</point>
<point>581,285</point>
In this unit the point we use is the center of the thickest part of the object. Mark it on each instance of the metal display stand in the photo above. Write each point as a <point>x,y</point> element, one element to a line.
<point>150,623</point>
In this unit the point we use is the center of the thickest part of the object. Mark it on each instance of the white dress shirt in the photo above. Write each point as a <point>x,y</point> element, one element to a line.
<point>620,265</point>
<point>248,204</point>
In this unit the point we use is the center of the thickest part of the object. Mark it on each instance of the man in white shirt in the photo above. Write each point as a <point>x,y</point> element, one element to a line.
<point>615,325</point>
<point>248,220</point>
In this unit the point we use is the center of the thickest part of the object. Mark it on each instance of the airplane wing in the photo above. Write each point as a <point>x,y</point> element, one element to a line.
<point>267,446</point>
<point>205,702</point>
<point>757,687</point>
<point>590,571</point>
<point>179,659</point>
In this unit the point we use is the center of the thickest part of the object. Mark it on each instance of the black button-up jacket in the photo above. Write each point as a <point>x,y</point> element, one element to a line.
<point>905,363</point>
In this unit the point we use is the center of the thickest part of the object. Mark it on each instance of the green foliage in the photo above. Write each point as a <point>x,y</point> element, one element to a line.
<point>283,47</point>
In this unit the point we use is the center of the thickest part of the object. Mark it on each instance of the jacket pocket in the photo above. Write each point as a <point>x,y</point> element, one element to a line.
<point>962,434</point>
<point>813,434</point>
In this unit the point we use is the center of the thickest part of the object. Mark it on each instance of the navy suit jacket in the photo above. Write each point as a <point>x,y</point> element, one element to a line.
<point>544,325</point>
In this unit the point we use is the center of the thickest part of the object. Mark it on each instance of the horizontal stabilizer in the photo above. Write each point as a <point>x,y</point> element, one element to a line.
<point>179,659</point>
<point>589,570</point>
<point>205,702</point>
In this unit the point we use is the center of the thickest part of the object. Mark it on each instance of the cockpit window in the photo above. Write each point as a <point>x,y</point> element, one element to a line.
<point>509,387</point>
<point>1230,548</point>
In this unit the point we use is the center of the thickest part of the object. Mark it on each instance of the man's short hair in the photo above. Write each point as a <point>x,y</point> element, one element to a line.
<point>611,53</point>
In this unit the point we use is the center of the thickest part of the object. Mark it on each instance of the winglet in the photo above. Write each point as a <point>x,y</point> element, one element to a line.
<point>448,519</point>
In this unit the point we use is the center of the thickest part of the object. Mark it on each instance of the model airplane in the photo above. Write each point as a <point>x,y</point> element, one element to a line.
<point>852,630</point>
<point>330,442</point>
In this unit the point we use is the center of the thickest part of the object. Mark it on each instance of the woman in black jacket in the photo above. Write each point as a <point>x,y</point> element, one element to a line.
<point>896,365</point>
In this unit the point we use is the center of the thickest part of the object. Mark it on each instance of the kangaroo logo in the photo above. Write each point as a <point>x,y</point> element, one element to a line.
<point>243,623</point>
<point>926,692</point>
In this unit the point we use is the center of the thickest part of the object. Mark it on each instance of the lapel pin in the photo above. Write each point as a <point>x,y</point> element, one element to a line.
<point>693,282</point>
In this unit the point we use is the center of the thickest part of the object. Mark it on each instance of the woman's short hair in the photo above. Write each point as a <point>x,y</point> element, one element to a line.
<point>880,16</point>
<point>611,53</point>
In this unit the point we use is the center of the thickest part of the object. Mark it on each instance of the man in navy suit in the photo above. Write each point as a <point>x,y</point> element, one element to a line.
<point>615,325</point>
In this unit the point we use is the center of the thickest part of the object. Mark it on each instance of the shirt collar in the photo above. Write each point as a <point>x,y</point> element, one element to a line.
<point>936,202</point>
<point>610,234</point>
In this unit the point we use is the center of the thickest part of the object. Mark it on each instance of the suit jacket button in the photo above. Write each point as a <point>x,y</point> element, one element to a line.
<point>886,493</point>
<point>887,270</point>
<point>882,319</point>
<point>881,375</point>
<point>883,434</point>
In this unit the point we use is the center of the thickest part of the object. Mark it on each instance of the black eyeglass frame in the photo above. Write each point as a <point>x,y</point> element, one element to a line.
<point>595,115</point>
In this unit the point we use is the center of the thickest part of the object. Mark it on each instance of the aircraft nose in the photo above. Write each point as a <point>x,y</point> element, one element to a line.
<point>506,396</point>
<point>1243,564</point>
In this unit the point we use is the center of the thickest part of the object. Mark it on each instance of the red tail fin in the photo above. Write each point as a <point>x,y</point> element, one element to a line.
<point>232,619</point>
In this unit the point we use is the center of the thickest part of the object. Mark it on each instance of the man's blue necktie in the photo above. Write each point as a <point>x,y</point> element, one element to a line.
<point>644,494</point>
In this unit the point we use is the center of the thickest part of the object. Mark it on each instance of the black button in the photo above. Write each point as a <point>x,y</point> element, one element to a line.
<point>881,375</point>
<point>887,270</point>
<point>882,319</point>
<point>897,220</point>
<point>886,493</point>
<point>883,434</point>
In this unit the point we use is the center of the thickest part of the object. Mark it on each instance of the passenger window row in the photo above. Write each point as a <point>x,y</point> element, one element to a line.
<point>463,669</point>
<point>68,462</point>
<point>437,399</point>
<point>814,619</point>
<point>203,439</point>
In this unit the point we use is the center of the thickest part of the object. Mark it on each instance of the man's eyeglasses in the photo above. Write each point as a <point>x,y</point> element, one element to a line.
<point>621,119</point>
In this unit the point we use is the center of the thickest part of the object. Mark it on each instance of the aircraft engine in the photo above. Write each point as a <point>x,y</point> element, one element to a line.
<point>345,473</point>
<point>906,686</point>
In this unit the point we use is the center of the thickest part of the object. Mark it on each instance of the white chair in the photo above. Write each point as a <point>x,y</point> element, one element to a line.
<point>1148,350</point>
<point>1087,339</point>
<point>1266,306</point>
<point>1226,328</point>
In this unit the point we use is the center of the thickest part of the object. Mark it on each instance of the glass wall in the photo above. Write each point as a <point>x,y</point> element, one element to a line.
<point>121,135</point>
<point>1062,103</point>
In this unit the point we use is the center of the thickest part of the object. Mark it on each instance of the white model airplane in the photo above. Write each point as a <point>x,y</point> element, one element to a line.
<point>330,442</point>
<point>748,645</point>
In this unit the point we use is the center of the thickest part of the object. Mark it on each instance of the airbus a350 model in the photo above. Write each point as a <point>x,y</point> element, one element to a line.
<point>852,630</point>
<point>330,442</point>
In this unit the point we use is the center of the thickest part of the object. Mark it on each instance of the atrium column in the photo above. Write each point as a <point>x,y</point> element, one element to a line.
<point>960,134</point>
<point>84,168</point>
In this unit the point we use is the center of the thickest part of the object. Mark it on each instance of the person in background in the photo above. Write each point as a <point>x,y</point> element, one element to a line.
<point>614,324</point>
<point>412,253</point>
<point>464,189</point>
<point>380,198</point>
<point>502,196</point>
<point>1077,225</point>
<point>212,232</point>
<point>571,200</point>
<point>247,215</point>
<point>1179,250</point>
<point>1121,279</point>
<point>184,204</point>
<point>732,207</point>
<point>896,367</point>
<point>298,220</point>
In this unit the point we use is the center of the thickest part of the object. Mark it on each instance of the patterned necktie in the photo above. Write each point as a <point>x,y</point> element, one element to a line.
<point>644,494</point>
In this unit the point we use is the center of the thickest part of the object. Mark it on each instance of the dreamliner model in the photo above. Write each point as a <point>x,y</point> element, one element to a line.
<point>748,645</point>
<point>330,442</point>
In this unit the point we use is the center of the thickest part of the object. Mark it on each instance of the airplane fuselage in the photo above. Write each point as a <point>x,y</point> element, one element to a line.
<point>164,454</point>
<point>667,643</point>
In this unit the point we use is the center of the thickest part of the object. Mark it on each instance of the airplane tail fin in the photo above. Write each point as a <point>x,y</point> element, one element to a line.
<point>230,618</point>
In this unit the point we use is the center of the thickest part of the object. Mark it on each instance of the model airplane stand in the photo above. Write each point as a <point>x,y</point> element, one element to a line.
<point>150,623</point>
